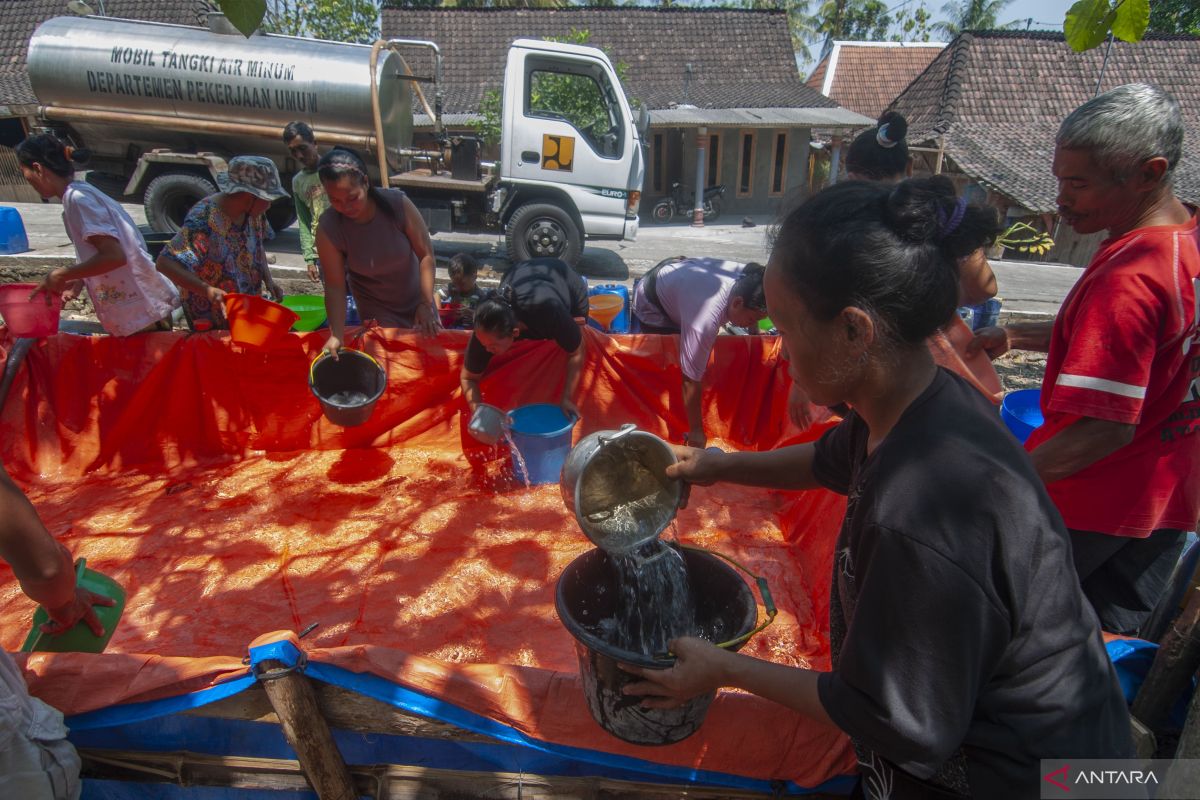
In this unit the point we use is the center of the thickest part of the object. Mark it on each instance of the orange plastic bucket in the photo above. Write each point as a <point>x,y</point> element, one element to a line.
<point>255,321</point>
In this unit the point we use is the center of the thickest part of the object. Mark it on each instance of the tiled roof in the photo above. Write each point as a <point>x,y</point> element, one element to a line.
<point>996,99</point>
<point>19,18</point>
<point>739,59</point>
<point>866,76</point>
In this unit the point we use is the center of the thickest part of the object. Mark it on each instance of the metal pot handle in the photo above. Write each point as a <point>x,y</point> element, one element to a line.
<point>626,429</point>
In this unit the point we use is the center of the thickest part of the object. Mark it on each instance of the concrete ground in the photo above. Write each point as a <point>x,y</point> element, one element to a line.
<point>1027,289</point>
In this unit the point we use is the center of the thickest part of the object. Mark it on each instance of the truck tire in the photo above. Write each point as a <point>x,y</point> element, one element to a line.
<point>171,196</point>
<point>538,230</point>
<point>281,214</point>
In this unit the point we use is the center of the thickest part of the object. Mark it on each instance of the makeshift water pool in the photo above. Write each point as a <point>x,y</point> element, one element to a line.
<point>241,511</point>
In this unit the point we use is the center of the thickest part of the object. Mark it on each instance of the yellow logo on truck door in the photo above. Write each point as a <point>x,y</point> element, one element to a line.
<point>558,152</point>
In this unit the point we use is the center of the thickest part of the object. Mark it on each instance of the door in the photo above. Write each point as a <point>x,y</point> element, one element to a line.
<point>567,123</point>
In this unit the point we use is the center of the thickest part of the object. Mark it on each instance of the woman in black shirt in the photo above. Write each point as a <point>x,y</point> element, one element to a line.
<point>962,649</point>
<point>542,298</point>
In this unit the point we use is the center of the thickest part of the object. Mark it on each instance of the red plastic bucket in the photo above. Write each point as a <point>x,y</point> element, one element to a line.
<point>25,317</point>
<point>257,322</point>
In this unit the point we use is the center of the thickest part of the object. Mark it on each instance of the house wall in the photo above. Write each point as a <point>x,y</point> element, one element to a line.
<point>680,165</point>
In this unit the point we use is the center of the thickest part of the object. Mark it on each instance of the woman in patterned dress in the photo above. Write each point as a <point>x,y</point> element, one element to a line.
<point>219,248</point>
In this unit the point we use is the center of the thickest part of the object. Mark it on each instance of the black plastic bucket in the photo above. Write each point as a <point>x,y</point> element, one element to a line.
<point>352,371</point>
<point>587,591</point>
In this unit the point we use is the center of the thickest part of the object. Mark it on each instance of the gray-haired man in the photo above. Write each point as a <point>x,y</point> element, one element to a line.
<point>1120,448</point>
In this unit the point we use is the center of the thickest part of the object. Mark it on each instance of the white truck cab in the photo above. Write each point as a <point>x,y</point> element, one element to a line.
<point>570,171</point>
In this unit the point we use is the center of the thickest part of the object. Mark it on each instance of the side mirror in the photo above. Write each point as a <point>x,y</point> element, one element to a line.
<point>643,122</point>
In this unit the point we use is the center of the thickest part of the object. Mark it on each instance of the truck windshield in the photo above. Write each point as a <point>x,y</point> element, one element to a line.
<point>582,101</point>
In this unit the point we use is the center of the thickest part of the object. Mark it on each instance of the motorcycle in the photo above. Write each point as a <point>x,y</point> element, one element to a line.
<point>682,200</point>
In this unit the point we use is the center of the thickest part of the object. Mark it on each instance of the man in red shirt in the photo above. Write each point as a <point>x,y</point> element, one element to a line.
<point>1120,447</point>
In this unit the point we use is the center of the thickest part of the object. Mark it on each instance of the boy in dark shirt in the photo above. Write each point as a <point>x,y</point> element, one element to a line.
<point>963,651</point>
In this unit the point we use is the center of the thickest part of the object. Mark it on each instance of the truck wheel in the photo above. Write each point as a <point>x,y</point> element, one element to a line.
<point>170,197</point>
<point>540,230</point>
<point>281,214</point>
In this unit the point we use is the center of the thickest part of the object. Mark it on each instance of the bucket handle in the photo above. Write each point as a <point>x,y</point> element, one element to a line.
<point>626,429</point>
<point>764,591</point>
<point>312,368</point>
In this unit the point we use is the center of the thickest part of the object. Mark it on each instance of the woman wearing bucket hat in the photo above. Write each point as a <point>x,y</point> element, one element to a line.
<point>372,242</point>
<point>128,295</point>
<point>219,248</point>
<point>962,649</point>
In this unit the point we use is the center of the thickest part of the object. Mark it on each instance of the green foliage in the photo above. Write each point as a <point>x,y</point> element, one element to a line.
<point>971,15</point>
<point>343,20</point>
<point>912,24</point>
<point>337,20</point>
<point>1175,16</point>
<point>1132,18</point>
<point>487,127</point>
<point>1089,22</point>
<point>245,15</point>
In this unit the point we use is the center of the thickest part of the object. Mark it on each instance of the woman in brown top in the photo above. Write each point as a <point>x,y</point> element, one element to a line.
<point>375,242</point>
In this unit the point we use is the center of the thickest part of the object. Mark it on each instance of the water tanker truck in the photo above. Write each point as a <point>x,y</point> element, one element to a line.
<point>163,107</point>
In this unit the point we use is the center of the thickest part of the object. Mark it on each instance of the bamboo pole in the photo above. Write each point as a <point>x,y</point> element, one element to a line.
<point>1184,775</point>
<point>295,703</point>
<point>1175,663</point>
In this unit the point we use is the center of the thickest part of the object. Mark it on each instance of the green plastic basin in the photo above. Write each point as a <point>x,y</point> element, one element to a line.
<point>80,639</point>
<point>310,307</point>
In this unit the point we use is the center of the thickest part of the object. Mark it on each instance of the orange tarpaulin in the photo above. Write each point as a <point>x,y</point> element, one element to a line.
<point>204,479</point>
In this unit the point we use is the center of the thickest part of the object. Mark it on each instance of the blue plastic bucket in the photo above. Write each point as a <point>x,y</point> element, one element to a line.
<point>1022,412</point>
<point>620,323</point>
<point>542,434</point>
<point>12,232</point>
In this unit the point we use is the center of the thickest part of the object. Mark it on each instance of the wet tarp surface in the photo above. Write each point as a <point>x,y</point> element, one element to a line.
<point>203,478</point>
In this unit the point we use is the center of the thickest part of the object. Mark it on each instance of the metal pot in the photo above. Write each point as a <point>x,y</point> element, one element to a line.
<point>615,483</point>
<point>487,424</point>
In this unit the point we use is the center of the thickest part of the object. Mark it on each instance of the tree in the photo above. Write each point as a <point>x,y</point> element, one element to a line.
<point>339,20</point>
<point>911,25</point>
<point>971,15</point>
<point>343,20</point>
<point>1175,16</point>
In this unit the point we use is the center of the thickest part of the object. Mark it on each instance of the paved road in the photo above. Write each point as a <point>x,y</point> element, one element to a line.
<point>1026,288</point>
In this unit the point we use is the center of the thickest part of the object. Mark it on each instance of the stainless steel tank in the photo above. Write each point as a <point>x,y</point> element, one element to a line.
<point>201,78</point>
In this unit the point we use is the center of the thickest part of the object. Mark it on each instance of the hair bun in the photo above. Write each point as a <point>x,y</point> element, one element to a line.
<point>891,129</point>
<point>77,155</point>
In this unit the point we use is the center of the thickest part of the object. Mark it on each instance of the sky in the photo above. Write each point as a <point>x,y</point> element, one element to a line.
<point>1046,15</point>
<point>1045,11</point>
